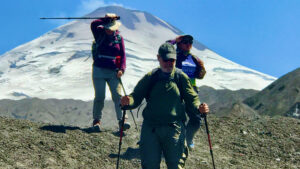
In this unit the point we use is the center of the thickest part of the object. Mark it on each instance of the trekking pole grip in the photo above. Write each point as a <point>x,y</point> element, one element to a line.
<point>129,110</point>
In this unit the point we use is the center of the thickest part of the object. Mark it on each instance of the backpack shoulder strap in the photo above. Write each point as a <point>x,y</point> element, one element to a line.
<point>118,38</point>
<point>153,80</point>
<point>200,69</point>
<point>177,77</point>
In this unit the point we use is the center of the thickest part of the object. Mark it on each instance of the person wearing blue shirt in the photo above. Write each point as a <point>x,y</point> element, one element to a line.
<point>194,68</point>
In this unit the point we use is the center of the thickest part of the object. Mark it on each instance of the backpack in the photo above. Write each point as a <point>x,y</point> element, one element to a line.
<point>96,44</point>
<point>94,50</point>
<point>154,79</point>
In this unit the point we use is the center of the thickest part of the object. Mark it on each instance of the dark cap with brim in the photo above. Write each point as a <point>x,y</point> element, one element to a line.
<point>186,39</point>
<point>167,51</point>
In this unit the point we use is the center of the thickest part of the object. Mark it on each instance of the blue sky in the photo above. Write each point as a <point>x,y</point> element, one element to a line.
<point>260,34</point>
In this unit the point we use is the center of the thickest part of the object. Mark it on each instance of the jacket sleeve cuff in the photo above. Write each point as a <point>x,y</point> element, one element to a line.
<point>130,106</point>
<point>173,41</point>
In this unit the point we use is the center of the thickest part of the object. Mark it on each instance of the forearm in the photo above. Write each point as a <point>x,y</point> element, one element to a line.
<point>172,41</point>
<point>94,26</point>
<point>138,94</point>
<point>190,97</point>
<point>97,23</point>
<point>133,103</point>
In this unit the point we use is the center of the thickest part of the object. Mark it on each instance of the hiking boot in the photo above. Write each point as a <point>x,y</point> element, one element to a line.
<point>96,122</point>
<point>126,125</point>
<point>96,126</point>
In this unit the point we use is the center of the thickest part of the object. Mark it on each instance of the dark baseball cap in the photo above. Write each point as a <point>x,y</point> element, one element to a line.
<point>167,51</point>
<point>187,39</point>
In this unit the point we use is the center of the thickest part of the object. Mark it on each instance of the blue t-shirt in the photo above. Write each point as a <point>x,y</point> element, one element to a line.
<point>189,67</point>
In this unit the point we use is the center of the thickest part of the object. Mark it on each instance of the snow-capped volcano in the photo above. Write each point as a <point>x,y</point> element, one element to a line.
<point>58,64</point>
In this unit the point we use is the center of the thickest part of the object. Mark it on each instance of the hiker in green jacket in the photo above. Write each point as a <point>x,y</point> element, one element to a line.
<point>163,129</point>
<point>194,68</point>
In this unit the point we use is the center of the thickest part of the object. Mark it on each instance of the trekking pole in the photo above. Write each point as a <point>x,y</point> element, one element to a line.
<point>121,135</point>
<point>209,142</point>
<point>117,18</point>
<point>129,110</point>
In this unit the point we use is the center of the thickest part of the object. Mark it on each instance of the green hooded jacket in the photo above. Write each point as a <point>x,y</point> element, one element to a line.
<point>164,103</point>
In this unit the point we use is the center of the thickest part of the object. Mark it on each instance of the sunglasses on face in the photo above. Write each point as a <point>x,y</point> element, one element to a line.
<point>187,41</point>
<point>169,60</point>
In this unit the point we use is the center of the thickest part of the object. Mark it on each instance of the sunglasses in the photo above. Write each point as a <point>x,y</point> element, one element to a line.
<point>168,60</point>
<point>187,41</point>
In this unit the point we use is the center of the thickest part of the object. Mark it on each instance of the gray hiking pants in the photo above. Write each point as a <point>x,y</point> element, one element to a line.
<point>193,125</point>
<point>101,76</point>
<point>168,139</point>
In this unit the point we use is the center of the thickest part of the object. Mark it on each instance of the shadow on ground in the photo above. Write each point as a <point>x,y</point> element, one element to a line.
<point>63,129</point>
<point>131,153</point>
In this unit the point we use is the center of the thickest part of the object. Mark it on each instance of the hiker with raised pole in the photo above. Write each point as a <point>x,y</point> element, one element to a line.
<point>194,68</point>
<point>109,65</point>
<point>167,91</point>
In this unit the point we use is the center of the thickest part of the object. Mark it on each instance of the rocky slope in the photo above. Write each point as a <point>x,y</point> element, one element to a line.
<point>223,102</point>
<point>282,97</point>
<point>237,143</point>
<point>79,113</point>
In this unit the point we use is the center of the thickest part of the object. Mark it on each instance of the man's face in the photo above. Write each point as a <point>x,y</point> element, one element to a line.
<point>109,32</point>
<point>186,47</point>
<point>185,43</point>
<point>166,66</point>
